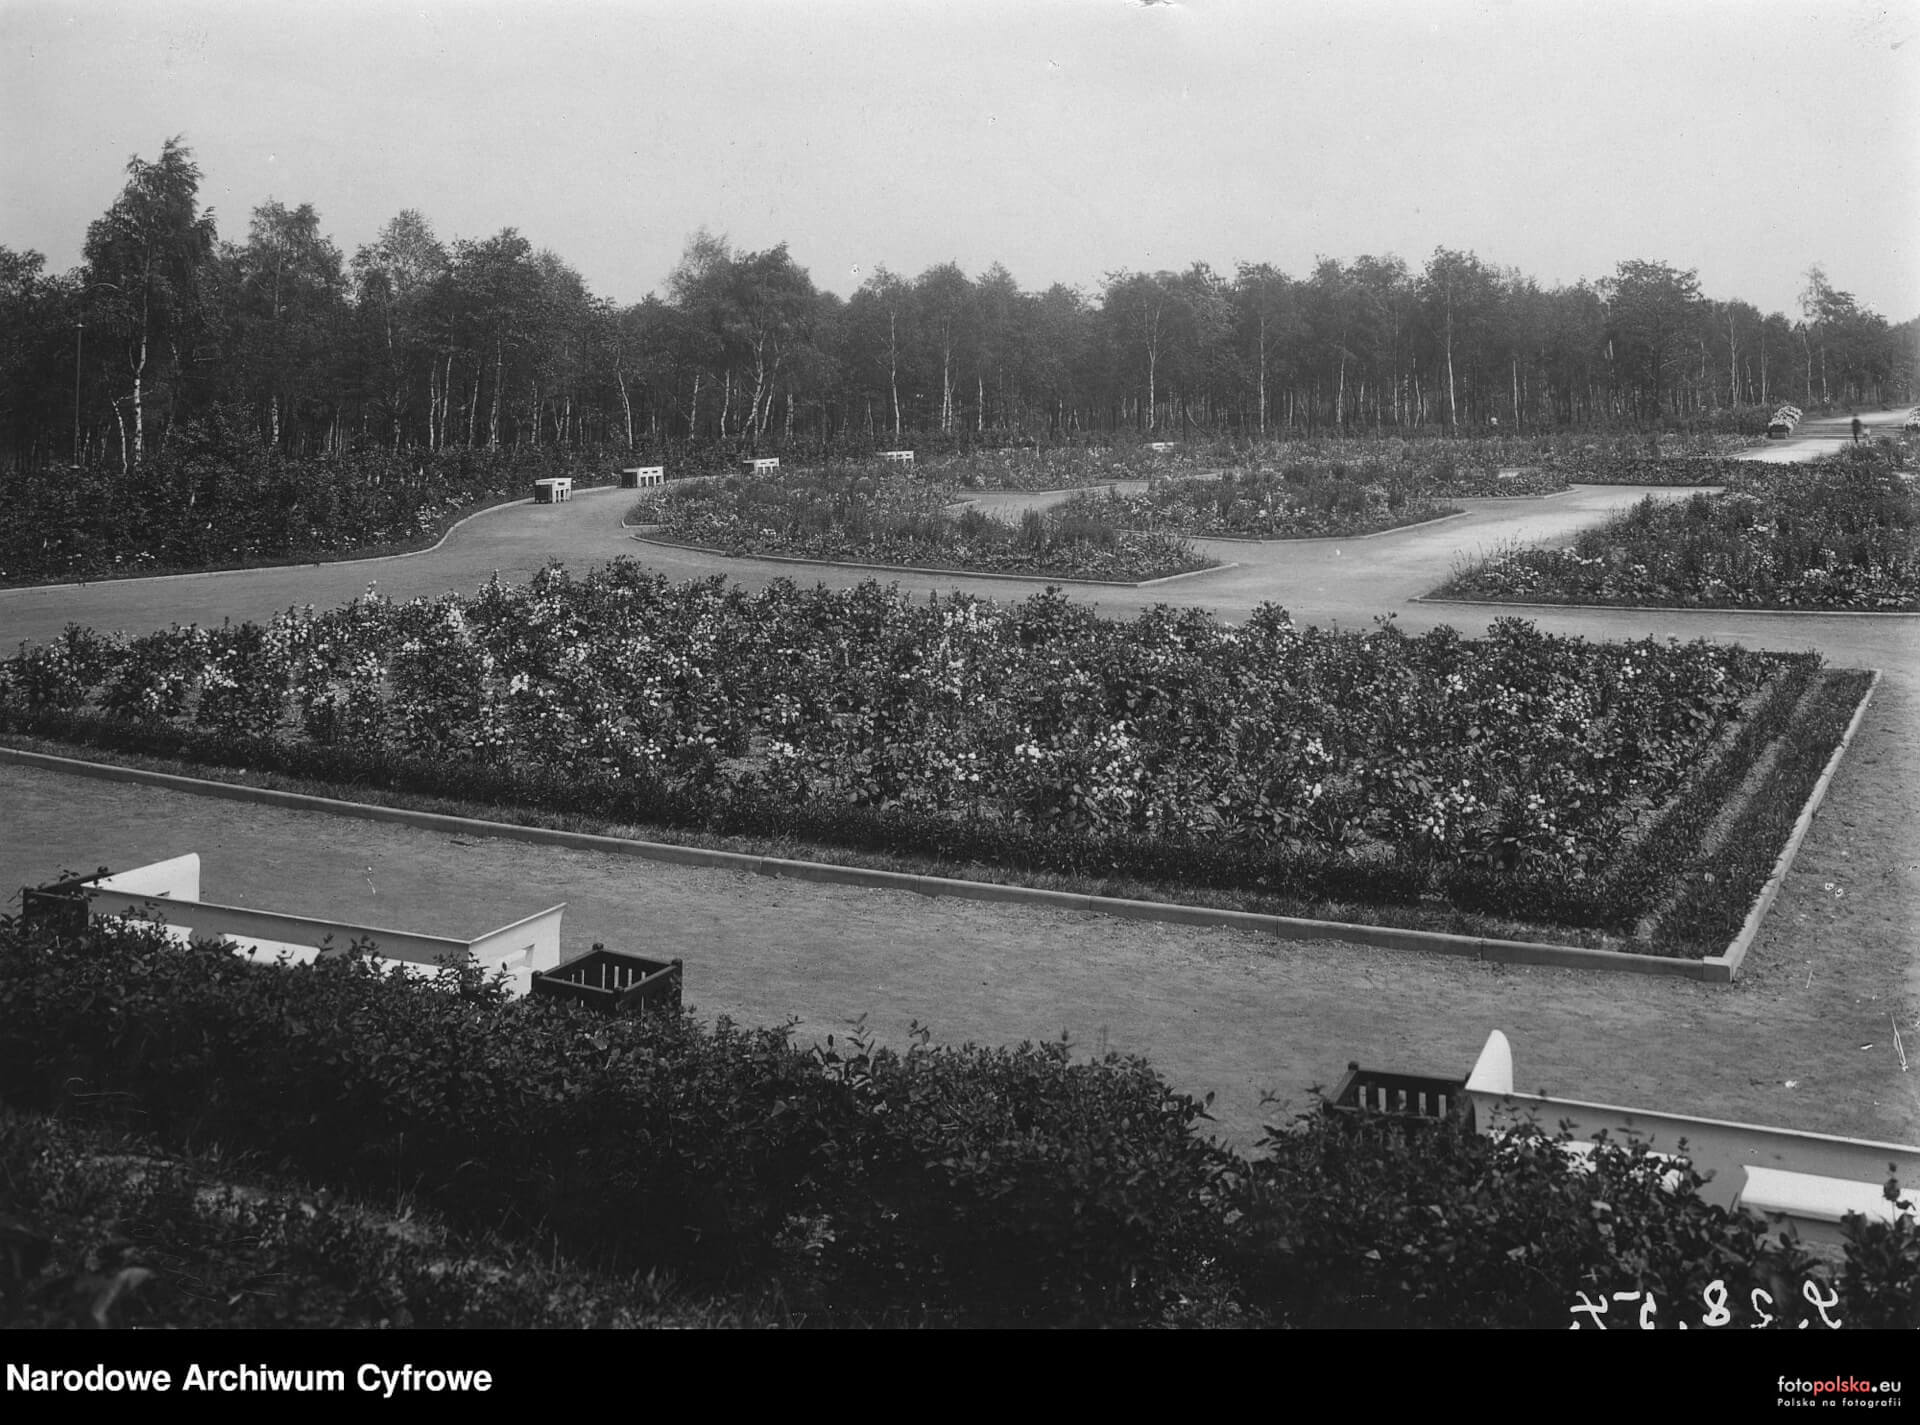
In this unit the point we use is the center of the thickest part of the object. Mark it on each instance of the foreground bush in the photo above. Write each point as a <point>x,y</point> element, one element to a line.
<point>988,1185</point>
<point>862,1185</point>
<point>106,1230</point>
<point>1367,1225</point>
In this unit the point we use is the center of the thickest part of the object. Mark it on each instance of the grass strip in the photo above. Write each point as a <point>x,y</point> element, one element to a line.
<point>1720,891</point>
<point>1669,851</point>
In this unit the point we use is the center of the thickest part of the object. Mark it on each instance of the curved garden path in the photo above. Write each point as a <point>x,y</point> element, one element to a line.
<point>1803,1039</point>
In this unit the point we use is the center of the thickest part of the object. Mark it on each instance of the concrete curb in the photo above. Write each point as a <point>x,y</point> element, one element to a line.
<point>920,569</point>
<point>298,563</point>
<point>1737,950</point>
<point>1220,568</point>
<point>1694,489</point>
<point>1511,952</point>
<point>370,811</point>
<point>1670,609</point>
<point>1105,483</point>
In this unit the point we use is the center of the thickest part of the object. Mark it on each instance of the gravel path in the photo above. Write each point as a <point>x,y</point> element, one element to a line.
<point>1802,1040</point>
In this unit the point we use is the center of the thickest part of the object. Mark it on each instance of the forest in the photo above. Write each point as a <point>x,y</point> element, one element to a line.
<point>415,343</point>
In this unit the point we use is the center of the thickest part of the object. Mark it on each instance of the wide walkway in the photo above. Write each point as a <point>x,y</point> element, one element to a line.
<point>1803,1040</point>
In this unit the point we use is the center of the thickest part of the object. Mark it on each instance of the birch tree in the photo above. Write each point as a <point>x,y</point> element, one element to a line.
<point>144,261</point>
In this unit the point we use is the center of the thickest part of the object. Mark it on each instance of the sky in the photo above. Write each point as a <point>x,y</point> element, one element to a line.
<point>1067,139</point>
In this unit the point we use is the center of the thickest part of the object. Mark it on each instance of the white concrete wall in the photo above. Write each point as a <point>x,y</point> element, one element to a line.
<point>1719,1150</point>
<point>168,891</point>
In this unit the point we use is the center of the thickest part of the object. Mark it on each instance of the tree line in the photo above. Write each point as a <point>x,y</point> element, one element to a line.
<point>418,343</point>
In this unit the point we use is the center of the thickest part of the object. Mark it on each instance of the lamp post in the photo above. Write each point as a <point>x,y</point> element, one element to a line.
<point>79,336</point>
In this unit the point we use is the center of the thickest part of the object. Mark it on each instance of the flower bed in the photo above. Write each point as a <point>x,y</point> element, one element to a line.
<point>1058,467</point>
<point>217,498</point>
<point>1436,466</point>
<point>1652,469</point>
<point>1301,504</point>
<point>852,518</point>
<point>1504,776</point>
<point>1837,535</point>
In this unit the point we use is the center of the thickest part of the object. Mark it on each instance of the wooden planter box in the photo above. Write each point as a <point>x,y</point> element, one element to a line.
<point>613,982</point>
<point>1405,1098</point>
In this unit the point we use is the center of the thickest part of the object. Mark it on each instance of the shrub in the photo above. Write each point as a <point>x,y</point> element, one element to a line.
<point>961,1186</point>
<point>218,497</point>
<point>1366,1224</point>
<point>988,1186</point>
<point>1880,1289</point>
<point>109,1230</point>
<point>650,1140</point>
<point>1013,1186</point>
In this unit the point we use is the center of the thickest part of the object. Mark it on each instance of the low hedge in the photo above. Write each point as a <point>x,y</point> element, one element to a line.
<point>1720,892</point>
<point>958,1186</point>
<point>1012,1184</point>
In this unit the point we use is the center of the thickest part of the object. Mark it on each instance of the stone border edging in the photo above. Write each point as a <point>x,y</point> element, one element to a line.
<point>1668,608</point>
<point>1106,482</point>
<point>1511,952</point>
<point>299,563</point>
<point>919,569</point>
<point>1694,489</point>
<point>1750,928</point>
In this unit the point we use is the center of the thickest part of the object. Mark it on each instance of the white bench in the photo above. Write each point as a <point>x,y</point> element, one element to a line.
<point>169,891</point>
<point>1719,1150</point>
<point>1580,1153</point>
<point>1160,447</point>
<point>641,476</point>
<point>553,490</point>
<point>898,457</point>
<point>759,463</point>
<point>1815,1206</point>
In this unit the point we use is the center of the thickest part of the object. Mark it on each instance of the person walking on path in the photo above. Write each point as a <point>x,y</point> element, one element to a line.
<point>1858,429</point>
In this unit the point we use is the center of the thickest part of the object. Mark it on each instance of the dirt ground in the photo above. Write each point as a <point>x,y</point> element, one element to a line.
<point>1803,1039</point>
